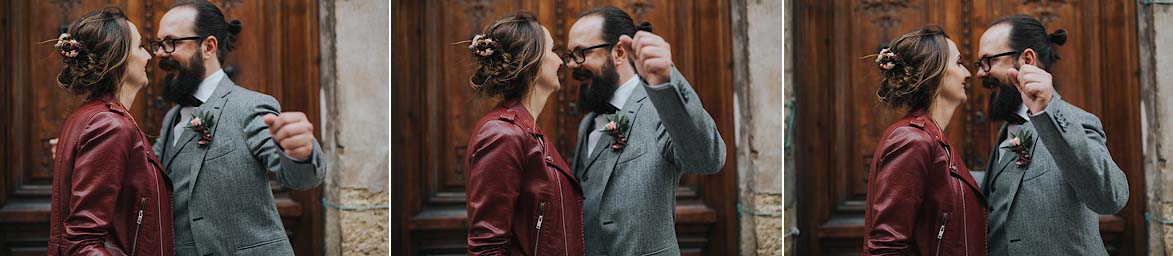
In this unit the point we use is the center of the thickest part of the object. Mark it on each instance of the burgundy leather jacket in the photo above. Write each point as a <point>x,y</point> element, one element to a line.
<point>522,198</point>
<point>110,195</point>
<point>921,198</point>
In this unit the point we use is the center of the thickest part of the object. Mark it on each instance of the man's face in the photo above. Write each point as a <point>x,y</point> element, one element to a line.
<point>1004,97</point>
<point>597,66</point>
<point>185,65</point>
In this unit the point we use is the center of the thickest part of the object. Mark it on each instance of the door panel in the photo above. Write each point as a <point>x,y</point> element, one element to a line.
<point>276,54</point>
<point>436,111</point>
<point>841,119</point>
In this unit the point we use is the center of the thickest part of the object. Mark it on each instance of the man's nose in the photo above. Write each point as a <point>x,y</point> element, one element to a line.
<point>573,65</point>
<point>159,52</point>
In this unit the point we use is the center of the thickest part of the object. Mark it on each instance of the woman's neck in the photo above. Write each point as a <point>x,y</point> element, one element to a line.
<point>125,95</point>
<point>535,100</point>
<point>941,112</point>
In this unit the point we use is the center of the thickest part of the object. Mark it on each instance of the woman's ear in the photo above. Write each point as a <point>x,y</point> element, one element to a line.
<point>1030,57</point>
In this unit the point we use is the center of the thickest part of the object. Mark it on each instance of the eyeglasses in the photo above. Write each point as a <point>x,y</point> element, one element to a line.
<point>984,62</point>
<point>168,45</point>
<point>579,55</point>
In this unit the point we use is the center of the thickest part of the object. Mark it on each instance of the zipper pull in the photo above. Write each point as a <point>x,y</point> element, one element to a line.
<point>541,209</point>
<point>141,207</point>
<point>941,232</point>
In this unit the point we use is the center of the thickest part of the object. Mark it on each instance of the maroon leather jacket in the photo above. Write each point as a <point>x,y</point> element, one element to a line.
<point>522,198</point>
<point>110,195</point>
<point>921,198</point>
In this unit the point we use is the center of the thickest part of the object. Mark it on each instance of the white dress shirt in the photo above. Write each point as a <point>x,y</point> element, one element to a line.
<point>617,100</point>
<point>207,87</point>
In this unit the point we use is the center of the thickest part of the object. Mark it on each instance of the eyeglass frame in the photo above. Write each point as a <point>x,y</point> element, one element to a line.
<point>155,45</point>
<point>983,64</point>
<point>581,54</point>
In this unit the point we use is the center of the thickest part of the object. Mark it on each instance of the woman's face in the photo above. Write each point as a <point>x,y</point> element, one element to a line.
<point>550,63</point>
<point>954,81</point>
<point>136,63</point>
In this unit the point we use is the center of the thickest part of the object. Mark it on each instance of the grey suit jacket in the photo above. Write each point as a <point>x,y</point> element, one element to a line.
<point>231,206</point>
<point>1071,180</point>
<point>631,193</point>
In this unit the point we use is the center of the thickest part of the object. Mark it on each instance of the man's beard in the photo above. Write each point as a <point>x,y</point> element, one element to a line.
<point>596,97</point>
<point>1004,101</point>
<point>183,81</point>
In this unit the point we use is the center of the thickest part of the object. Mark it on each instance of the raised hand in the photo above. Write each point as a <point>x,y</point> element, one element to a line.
<point>653,56</point>
<point>294,132</point>
<point>1035,86</point>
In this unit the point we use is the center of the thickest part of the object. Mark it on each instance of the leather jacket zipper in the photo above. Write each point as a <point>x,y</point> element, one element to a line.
<point>941,232</point>
<point>538,237</point>
<point>138,222</point>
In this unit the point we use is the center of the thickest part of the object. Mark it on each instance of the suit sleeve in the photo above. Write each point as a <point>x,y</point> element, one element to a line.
<point>693,142</point>
<point>1078,144</point>
<point>103,151</point>
<point>290,173</point>
<point>495,165</point>
<point>894,194</point>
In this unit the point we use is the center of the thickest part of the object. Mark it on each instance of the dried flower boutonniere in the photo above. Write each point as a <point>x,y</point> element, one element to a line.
<point>1020,143</point>
<point>617,126</point>
<point>202,122</point>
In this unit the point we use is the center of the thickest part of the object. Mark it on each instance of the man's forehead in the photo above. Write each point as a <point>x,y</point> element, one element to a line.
<point>586,30</point>
<point>177,21</point>
<point>994,40</point>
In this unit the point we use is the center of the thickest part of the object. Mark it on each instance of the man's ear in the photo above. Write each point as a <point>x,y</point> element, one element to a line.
<point>1029,56</point>
<point>210,46</point>
<point>619,55</point>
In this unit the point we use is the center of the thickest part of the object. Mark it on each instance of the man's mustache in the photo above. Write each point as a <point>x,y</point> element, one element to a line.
<point>582,74</point>
<point>169,64</point>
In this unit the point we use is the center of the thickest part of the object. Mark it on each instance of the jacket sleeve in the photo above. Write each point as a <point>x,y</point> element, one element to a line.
<point>299,175</point>
<point>694,144</point>
<point>98,168</point>
<point>1078,144</point>
<point>494,164</point>
<point>895,192</point>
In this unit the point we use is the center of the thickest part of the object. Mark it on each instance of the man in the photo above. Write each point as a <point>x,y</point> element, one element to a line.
<point>640,137</point>
<point>1051,176</point>
<point>221,141</point>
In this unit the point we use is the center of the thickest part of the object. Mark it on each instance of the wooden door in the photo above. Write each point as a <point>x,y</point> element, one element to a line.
<point>277,55</point>
<point>840,119</point>
<point>435,111</point>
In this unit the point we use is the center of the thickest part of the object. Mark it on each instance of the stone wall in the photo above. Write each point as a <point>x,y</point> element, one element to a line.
<point>355,131</point>
<point>758,87</point>
<point>1155,33</point>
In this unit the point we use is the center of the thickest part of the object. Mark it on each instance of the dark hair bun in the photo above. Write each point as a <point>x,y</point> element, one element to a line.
<point>234,26</point>
<point>644,26</point>
<point>1058,37</point>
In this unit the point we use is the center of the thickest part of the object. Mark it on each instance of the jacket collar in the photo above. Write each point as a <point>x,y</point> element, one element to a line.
<point>516,113</point>
<point>920,118</point>
<point>111,103</point>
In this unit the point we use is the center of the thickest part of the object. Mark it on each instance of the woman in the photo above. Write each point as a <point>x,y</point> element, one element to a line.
<point>110,196</point>
<point>921,198</point>
<point>522,198</point>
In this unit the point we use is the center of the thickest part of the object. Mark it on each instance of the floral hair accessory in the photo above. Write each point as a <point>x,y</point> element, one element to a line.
<point>888,59</point>
<point>483,46</point>
<point>68,46</point>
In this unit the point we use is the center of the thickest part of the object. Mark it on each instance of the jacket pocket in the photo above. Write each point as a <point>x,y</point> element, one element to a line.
<point>941,232</point>
<point>538,227</point>
<point>138,223</point>
<point>269,246</point>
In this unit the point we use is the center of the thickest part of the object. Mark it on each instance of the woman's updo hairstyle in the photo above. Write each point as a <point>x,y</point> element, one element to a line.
<point>94,52</point>
<point>506,54</point>
<point>912,66</point>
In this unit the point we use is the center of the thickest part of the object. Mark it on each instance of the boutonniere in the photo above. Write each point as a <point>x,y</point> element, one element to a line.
<point>617,125</point>
<point>202,122</point>
<point>1020,143</point>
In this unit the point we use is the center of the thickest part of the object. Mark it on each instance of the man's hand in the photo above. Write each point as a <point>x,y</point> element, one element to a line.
<point>653,56</point>
<point>1035,86</point>
<point>294,132</point>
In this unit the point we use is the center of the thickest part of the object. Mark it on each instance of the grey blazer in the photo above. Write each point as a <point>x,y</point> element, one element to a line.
<point>1071,180</point>
<point>231,205</point>
<point>631,193</point>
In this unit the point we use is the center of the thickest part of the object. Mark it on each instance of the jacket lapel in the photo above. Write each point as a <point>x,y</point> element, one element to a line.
<point>633,106</point>
<point>992,165</point>
<point>167,135</point>
<point>580,155</point>
<point>1017,185</point>
<point>215,106</point>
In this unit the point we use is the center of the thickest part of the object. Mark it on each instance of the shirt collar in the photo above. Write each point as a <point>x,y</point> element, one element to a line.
<point>208,86</point>
<point>624,91</point>
<point>1022,112</point>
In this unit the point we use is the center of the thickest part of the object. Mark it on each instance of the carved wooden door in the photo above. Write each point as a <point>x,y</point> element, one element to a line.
<point>435,110</point>
<point>840,119</point>
<point>277,54</point>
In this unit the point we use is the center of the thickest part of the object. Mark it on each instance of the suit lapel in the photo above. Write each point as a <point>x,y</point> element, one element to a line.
<point>168,136</point>
<point>1017,185</point>
<point>992,166</point>
<point>580,153</point>
<point>633,106</point>
<point>215,106</point>
<point>600,146</point>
